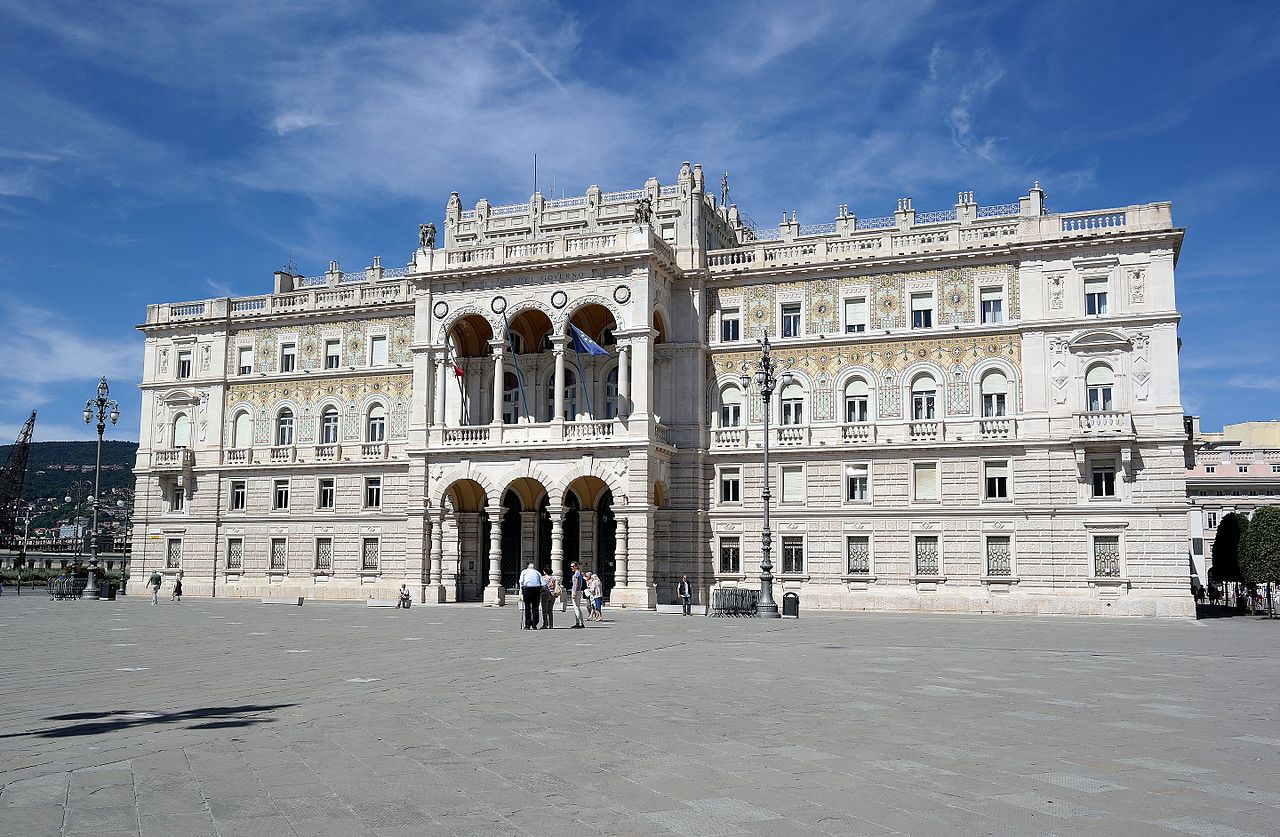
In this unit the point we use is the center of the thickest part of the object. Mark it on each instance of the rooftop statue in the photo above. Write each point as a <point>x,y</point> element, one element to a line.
<point>427,237</point>
<point>643,210</point>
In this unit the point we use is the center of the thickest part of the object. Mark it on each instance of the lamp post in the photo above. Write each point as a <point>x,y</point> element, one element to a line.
<point>76,493</point>
<point>126,549</point>
<point>99,408</point>
<point>767,379</point>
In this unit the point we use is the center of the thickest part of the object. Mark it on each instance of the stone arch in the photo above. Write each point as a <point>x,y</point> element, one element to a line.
<point>1010,370</point>
<point>463,311</point>
<point>562,323</point>
<point>523,319</point>
<point>915,371</point>
<point>456,474</point>
<point>532,472</point>
<point>611,478</point>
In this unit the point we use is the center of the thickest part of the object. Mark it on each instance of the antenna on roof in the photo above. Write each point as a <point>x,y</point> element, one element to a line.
<point>290,267</point>
<point>535,173</point>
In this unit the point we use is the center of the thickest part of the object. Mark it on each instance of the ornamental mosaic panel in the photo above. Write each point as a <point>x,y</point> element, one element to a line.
<point>265,397</point>
<point>760,312</point>
<point>352,334</point>
<point>821,307</point>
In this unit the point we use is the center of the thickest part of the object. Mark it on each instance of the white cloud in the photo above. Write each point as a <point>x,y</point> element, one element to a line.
<point>43,350</point>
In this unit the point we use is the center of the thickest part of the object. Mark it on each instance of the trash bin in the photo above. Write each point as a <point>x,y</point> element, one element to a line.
<point>108,591</point>
<point>791,606</point>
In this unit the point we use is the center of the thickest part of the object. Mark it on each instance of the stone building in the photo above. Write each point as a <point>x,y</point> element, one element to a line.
<point>983,412</point>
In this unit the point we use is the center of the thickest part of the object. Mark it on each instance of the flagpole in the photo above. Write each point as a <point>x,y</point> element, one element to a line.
<point>524,401</point>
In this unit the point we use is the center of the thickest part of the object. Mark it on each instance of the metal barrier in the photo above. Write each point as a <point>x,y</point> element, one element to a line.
<point>734,601</point>
<point>66,589</point>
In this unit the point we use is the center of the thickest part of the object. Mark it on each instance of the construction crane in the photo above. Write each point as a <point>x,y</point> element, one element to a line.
<point>12,479</point>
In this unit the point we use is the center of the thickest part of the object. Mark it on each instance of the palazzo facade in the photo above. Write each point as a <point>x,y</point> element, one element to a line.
<point>982,411</point>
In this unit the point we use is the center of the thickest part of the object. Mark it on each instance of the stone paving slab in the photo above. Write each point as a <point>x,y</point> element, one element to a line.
<point>225,718</point>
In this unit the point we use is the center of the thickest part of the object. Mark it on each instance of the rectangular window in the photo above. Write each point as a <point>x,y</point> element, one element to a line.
<point>244,364</point>
<point>1275,469</point>
<point>235,553</point>
<point>1211,520</point>
<point>925,480</point>
<point>997,479</point>
<point>1104,478</point>
<point>731,555</point>
<point>1211,469</point>
<point>1106,556</point>
<point>792,554</point>
<point>855,315</point>
<point>730,415</point>
<point>857,550</point>
<point>792,483</point>
<point>1095,297</point>
<point>922,310</point>
<point>279,554</point>
<point>856,408</point>
<point>999,557</point>
<point>369,554</point>
<point>793,409</point>
<point>184,364</point>
<point>378,350</point>
<point>280,496</point>
<point>730,325</point>
<point>332,354</point>
<point>177,496</point>
<point>669,233</point>
<point>238,495</point>
<point>324,553</point>
<point>992,305</point>
<point>791,319</point>
<point>373,492</point>
<point>173,554</point>
<point>1244,469</point>
<point>288,357</point>
<point>927,555</point>
<point>730,485</point>
<point>325,493</point>
<point>857,483</point>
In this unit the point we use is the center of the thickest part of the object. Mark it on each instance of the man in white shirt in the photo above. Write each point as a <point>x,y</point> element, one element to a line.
<point>531,592</point>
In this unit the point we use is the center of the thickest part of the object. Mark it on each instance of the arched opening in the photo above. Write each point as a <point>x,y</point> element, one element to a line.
<point>329,425</point>
<point>284,427</point>
<point>589,517</point>
<point>857,401</point>
<point>995,394</point>
<point>466,538</point>
<point>791,403</point>
<point>522,539</point>
<point>661,559</point>
<point>470,336</point>
<point>730,406</point>
<point>181,431</point>
<point>530,332</point>
<point>595,321</point>
<point>660,326</point>
<point>242,430</point>
<point>924,397</point>
<point>376,424</point>
<point>1100,383</point>
<point>468,341</point>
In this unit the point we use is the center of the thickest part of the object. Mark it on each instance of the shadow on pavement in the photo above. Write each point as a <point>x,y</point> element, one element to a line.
<point>97,723</point>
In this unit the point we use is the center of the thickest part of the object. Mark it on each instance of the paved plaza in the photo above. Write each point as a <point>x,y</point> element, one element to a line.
<point>235,718</point>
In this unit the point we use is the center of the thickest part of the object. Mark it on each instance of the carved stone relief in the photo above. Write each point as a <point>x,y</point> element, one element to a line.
<point>1137,286</point>
<point>1057,290</point>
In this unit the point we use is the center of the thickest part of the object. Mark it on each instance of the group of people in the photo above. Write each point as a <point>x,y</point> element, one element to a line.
<point>540,590</point>
<point>157,580</point>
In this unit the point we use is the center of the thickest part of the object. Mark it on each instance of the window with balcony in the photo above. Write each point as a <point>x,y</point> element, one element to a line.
<point>730,325</point>
<point>730,555</point>
<point>235,553</point>
<point>332,354</point>
<point>855,315</point>
<point>924,481</point>
<point>791,320</point>
<point>928,561</point>
<point>288,357</point>
<point>792,554</point>
<point>324,554</point>
<point>857,401</point>
<point>1095,297</point>
<point>378,350</point>
<point>244,360</point>
<point>922,310</point>
<point>857,551</point>
<point>181,431</point>
<point>329,426</point>
<point>730,485</point>
<point>730,407</point>
<point>376,424</point>
<point>373,492</point>
<point>791,403</point>
<point>992,301</point>
<point>284,427</point>
<point>924,398</point>
<point>239,495</point>
<point>791,484</point>
<point>280,495</point>
<point>184,364</point>
<point>242,430</point>
<point>997,480</point>
<point>279,555</point>
<point>1099,382</point>
<point>325,493</point>
<point>1104,478</point>
<point>995,394</point>
<point>369,549</point>
<point>857,483</point>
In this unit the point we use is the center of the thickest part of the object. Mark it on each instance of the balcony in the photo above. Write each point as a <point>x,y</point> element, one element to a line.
<point>178,459</point>
<point>1103,425</point>
<point>588,430</point>
<point>237,456</point>
<point>466,436</point>
<point>791,435</point>
<point>997,428</point>
<point>729,438</point>
<point>328,453</point>
<point>281,454</point>
<point>931,430</point>
<point>858,433</point>
<point>373,450</point>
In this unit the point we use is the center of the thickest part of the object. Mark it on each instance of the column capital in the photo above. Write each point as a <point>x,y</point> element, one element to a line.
<point>558,342</point>
<point>637,332</point>
<point>498,345</point>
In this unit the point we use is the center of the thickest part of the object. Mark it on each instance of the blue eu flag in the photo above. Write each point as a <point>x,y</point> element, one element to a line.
<point>583,343</point>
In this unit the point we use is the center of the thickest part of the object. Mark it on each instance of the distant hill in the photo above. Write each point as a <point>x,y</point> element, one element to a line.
<point>54,466</point>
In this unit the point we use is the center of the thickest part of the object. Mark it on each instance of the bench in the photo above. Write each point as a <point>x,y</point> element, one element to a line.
<point>284,600</point>
<point>382,602</point>
<point>694,607</point>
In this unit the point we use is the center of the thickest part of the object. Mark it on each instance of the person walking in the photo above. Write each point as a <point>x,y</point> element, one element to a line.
<point>531,592</point>
<point>550,592</point>
<point>578,587</point>
<point>685,591</point>
<point>154,584</point>
<point>176,595</point>
<point>596,588</point>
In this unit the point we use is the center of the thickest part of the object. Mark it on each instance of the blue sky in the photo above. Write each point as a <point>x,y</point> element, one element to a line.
<point>180,150</point>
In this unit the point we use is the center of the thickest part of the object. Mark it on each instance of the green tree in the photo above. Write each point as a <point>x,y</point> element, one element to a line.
<point>1226,547</point>
<point>1260,547</point>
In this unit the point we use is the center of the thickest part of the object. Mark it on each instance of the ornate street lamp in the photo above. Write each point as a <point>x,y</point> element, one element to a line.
<point>99,408</point>
<point>767,381</point>
<point>77,493</point>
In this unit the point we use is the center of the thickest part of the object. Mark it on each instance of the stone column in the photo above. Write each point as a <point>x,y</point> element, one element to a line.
<point>637,548</point>
<point>497,380</point>
<point>620,552</point>
<point>624,380</point>
<point>441,388</point>
<point>557,345</point>
<point>432,542</point>
<point>437,550</point>
<point>494,593</point>
<point>557,540</point>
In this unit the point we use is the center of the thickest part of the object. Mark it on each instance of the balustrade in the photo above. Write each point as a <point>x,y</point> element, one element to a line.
<point>1104,422</point>
<point>174,459</point>
<point>466,435</point>
<point>996,428</point>
<point>790,434</point>
<point>373,450</point>
<point>729,437</point>
<point>328,453</point>
<point>282,453</point>
<point>237,456</point>
<point>926,431</point>
<point>858,432</point>
<point>578,430</point>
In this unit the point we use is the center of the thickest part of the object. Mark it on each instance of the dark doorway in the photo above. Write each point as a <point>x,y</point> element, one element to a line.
<point>606,542</point>
<point>571,532</point>
<point>511,540</point>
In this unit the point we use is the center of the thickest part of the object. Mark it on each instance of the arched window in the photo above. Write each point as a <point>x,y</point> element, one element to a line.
<point>995,394</point>
<point>376,425</point>
<point>611,394</point>
<point>517,344</point>
<point>242,432</point>
<point>857,401</point>
<point>730,407</point>
<point>329,426</point>
<point>570,396</point>
<point>181,431</point>
<point>510,397</point>
<point>1099,382</point>
<point>284,427</point>
<point>792,403</point>
<point>924,398</point>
